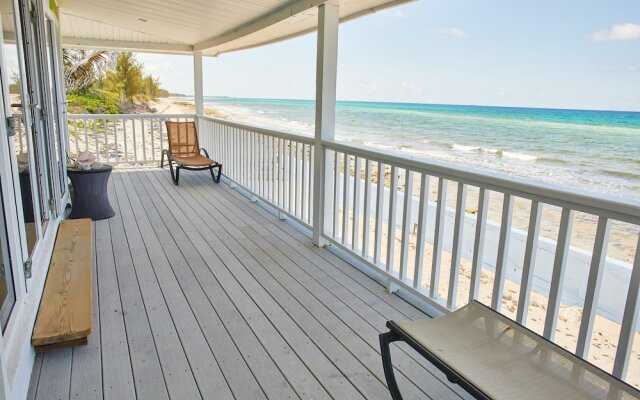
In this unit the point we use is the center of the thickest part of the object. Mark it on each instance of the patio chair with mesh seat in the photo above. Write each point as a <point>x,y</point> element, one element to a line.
<point>185,152</point>
<point>495,358</point>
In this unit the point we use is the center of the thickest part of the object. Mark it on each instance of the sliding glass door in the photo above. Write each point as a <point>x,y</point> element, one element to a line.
<point>24,140</point>
<point>7,289</point>
<point>31,99</point>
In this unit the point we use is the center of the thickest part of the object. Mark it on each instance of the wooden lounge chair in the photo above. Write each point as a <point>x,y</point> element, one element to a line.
<point>185,152</point>
<point>492,357</point>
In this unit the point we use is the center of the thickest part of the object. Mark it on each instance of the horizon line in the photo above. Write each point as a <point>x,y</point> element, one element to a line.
<point>429,104</point>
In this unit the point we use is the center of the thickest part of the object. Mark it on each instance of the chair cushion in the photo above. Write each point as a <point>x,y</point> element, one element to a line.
<point>197,160</point>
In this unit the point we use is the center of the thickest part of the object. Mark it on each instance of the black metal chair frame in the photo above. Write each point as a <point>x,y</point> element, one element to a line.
<point>175,175</point>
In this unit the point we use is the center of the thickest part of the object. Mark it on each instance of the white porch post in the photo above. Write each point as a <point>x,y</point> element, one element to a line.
<point>197,82</point>
<point>326,68</point>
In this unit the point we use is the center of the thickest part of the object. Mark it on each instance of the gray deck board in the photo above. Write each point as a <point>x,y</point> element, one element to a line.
<point>145,362</point>
<point>55,375</point>
<point>196,275</point>
<point>189,366</point>
<point>169,264</point>
<point>363,315</point>
<point>272,267</point>
<point>86,374</point>
<point>117,373</point>
<point>290,327</point>
<point>35,377</point>
<point>200,293</point>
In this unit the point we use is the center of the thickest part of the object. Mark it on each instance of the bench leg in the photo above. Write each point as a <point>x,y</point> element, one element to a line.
<point>385,340</point>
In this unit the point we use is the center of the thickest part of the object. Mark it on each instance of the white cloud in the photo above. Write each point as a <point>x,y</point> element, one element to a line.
<point>410,87</point>
<point>369,87</point>
<point>618,32</point>
<point>632,68</point>
<point>452,31</point>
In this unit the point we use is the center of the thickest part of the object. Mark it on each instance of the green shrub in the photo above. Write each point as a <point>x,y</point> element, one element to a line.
<point>92,103</point>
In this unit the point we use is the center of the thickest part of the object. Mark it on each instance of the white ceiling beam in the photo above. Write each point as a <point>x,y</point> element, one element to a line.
<point>260,23</point>
<point>118,45</point>
<point>347,18</point>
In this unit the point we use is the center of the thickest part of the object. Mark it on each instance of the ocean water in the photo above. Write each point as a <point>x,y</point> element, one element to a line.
<point>598,151</point>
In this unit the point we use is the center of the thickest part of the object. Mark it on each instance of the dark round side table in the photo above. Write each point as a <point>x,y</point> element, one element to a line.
<point>90,198</point>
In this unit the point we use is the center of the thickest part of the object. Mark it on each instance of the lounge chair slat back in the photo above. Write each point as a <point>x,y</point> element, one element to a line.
<point>183,139</point>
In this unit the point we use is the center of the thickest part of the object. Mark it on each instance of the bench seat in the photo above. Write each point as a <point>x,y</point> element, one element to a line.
<point>492,357</point>
<point>65,314</point>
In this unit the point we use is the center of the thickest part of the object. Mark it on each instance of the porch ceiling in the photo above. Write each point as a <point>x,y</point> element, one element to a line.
<point>213,27</point>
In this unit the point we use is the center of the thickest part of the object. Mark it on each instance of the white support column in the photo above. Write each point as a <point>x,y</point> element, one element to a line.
<point>197,82</point>
<point>326,72</point>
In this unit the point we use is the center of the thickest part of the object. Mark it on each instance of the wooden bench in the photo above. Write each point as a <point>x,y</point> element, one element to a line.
<point>64,317</point>
<point>492,357</point>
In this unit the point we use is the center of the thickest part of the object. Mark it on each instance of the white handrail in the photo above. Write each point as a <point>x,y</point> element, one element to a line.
<point>268,132</point>
<point>121,138</point>
<point>576,199</point>
<point>275,167</point>
<point>130,116</point>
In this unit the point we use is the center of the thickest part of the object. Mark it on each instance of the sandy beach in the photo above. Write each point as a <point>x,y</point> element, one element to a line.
<point>176,106</point>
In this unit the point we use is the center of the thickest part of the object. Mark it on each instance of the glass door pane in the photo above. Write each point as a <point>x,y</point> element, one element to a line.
<point>23,140</point>
<point>7,292</point>
<point>36,77</point>
<point>59,154</point>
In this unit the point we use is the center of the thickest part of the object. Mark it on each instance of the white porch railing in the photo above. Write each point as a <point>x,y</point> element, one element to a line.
<point>273,166</point>
<point>391,213</point>
<point>421,245</point>
<point>121,138</point>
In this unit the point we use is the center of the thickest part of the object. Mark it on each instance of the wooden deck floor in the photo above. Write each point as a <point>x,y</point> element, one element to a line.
<point>200,293</point>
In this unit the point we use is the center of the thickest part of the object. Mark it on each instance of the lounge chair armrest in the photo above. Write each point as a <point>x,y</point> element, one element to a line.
<point>202,149</point>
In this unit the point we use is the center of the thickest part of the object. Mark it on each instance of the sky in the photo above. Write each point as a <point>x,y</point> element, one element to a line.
<point>582,54</point>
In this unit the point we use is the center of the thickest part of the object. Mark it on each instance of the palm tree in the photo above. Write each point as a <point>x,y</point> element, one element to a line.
<point>82,68</point>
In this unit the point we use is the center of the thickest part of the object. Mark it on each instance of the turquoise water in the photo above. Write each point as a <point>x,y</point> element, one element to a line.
<point>593,150</point>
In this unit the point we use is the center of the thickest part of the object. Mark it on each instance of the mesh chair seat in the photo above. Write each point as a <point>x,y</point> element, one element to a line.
<point>505,360</point>
<point>197,160</point>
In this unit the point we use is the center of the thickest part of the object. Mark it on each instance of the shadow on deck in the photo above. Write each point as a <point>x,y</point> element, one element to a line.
<point>199,293</point>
